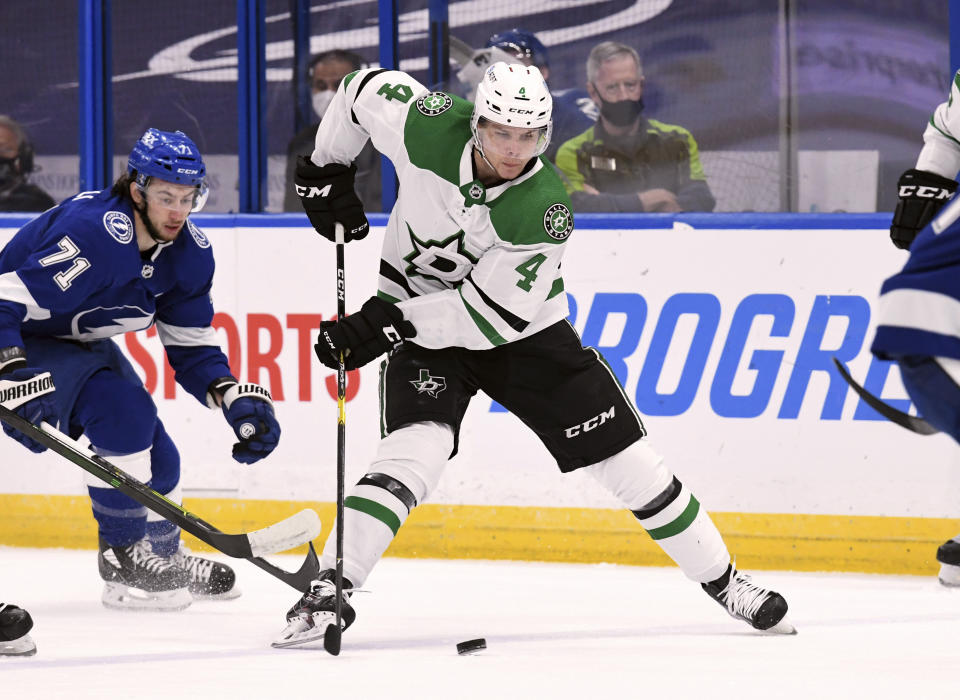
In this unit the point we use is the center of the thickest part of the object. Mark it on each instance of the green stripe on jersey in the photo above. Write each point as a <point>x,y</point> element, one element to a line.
<point>556,289</point>
<point>679,525</point>
<point>374,510</point>
<point>387,297</point>
<point>483,324</point>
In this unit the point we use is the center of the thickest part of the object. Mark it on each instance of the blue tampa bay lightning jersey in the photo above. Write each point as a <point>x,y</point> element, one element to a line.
<point>920,306</point>
<point>76,272</point>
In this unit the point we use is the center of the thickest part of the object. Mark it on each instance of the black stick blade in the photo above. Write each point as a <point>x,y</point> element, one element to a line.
<point>904,420</point>
<point>331,640</point>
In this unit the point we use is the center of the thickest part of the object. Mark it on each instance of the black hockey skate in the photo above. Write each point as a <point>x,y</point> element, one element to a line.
<point>762,609</point>
<point>209,579</point>
<point>137,579</point>
<point>15,623</point>
<point>948,554</point>
<point>308,619</point>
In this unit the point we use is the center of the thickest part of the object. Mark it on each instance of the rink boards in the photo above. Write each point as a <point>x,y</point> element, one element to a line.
<point>721,328</point>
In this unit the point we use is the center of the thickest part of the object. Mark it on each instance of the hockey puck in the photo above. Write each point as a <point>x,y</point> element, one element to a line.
<point>471,646</point>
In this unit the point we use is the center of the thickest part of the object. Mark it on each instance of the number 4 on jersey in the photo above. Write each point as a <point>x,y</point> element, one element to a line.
<point>399,92</point>
<point>528,271</point>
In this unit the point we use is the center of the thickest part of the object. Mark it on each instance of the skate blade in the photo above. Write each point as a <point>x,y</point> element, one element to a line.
<point>304,630</point>
<point>21,646</point>
<point>232,594</point>
<point>118,596</point>
<point>949,575</point>
<point>782,627</point>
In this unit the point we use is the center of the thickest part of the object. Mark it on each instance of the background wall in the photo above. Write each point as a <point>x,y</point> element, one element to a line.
<point>722,334</point>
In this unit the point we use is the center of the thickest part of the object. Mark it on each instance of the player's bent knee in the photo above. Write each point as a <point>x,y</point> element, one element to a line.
<point>165,464</point>
<point>636,475</point>
<point>415,455</point>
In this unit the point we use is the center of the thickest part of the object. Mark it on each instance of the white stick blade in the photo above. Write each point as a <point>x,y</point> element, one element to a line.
<point>296,530</point>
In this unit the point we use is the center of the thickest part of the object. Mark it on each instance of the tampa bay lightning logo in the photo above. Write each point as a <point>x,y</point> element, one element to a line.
<point>119,226</point>
<point>107,321</point>
<point>198,235</point>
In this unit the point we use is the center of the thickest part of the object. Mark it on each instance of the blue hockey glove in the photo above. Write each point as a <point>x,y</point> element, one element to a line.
<point>378,327</point>
<point>248,409</point>
<point>28,392</point>
<point>328,196</point>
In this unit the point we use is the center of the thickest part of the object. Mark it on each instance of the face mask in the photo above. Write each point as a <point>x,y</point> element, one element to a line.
<point>321,100</point>
<point>622,113</point>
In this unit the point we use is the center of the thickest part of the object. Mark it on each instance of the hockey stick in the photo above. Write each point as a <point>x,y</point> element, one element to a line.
<point>904,420</point>
<point>333,633</point>
<point>292,532</point>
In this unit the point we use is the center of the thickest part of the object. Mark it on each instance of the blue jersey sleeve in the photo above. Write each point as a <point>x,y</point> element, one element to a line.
<point>184,318</point>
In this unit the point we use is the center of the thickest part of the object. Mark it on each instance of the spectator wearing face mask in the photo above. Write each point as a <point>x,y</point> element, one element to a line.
<point>16,163</point>
<point>326,71</point>
<point>627,162</point>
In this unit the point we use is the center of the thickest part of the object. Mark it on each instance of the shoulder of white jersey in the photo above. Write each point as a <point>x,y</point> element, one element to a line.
<point>535,211</point>
<point>392,85</point>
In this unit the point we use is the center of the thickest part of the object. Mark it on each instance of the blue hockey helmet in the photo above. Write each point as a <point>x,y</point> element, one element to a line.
<point>522,44</point>
<point>171,156</point>
<point>167,155</point>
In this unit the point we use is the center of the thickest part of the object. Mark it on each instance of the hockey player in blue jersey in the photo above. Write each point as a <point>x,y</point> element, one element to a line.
<point>919,324</point>
<point>98,265</point>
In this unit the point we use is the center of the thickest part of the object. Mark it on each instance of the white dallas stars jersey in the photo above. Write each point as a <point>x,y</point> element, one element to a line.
<point>469,266</point>
<point>941,150</point>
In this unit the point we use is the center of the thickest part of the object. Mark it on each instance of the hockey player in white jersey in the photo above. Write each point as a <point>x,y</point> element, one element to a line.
<point>470,298</point>
<point>95,266</point>
<point>917,323</point>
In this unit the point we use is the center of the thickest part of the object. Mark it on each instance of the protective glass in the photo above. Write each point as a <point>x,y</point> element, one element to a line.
<point>512,141</point>
<point>164,197</point>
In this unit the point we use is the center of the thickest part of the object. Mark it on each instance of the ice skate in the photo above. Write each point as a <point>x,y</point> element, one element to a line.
<point>15,623</point>
<point>209,579</point>
<point>137,579</point>
<point>948,554</point>
<point>761,609</point>
<point>308,619</point>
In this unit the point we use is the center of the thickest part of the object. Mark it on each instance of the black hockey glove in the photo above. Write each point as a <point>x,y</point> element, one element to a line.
<point>378,327</point>
<point>327,195</point>
<point>922,194</point>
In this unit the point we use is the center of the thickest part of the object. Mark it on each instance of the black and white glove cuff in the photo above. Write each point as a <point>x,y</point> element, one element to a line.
<point>11,358</point>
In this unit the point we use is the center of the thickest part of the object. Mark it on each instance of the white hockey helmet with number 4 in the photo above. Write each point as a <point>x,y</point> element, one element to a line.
<point>514,95</point>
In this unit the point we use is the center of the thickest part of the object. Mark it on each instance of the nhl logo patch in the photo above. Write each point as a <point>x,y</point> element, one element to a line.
<point>475,191</point>
<point>434,103</point>
<point>557,222</point>
<point>119,226</point>
<point>198,236</point>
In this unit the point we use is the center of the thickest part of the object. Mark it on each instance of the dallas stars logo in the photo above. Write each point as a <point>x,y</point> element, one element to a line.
<point>426,384</point>
<point>434,103</point>
<point>557,222</point>
<point>445,261</point>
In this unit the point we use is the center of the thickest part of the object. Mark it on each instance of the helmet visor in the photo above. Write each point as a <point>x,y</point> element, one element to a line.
<point>161,194</point>
<point>512,141</point>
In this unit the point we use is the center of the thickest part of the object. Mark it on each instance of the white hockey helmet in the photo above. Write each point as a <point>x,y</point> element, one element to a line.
<point>514,95</point>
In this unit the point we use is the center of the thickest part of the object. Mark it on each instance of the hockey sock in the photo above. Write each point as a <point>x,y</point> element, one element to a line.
<point>121,520</point>
<point>686,533</point>
<point>406,469</point>
<point>372,514</point>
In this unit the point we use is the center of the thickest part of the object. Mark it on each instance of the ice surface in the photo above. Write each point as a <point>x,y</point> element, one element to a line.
<point>553,631</point>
